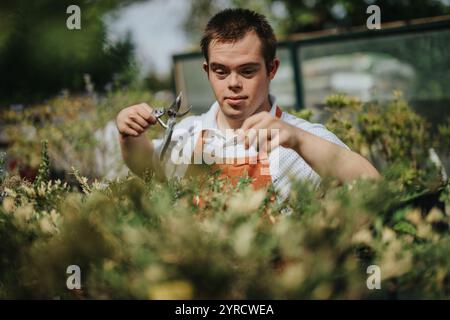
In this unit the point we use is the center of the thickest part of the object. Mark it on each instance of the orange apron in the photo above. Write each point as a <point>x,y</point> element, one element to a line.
<point>256,169</point>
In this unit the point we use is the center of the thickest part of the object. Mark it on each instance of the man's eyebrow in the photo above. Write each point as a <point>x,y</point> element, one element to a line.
<point>250,64</point>
<point>217,65</point>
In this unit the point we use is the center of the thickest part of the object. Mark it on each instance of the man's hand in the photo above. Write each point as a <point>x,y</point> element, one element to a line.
<point>278,133</point>
<point>134,120</point>
<point>137,150</point>
<point>325,157</point>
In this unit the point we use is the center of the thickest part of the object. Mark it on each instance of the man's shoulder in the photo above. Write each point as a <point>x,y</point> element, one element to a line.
<point>317,129</point>
<point>300,123</point>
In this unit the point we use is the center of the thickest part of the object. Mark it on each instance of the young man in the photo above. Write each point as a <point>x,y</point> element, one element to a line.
<point>239,47</point>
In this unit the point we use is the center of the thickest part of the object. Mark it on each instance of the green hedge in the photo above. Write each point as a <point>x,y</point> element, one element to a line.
<point>141,238</point>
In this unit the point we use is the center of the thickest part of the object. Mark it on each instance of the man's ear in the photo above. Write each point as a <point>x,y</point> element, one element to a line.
<point>206,68</point>
<point>273,68</point>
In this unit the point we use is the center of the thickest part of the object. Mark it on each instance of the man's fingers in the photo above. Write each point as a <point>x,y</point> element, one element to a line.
<point>254,130</point>
<point>274,140</point>
<point>146,112</point>
<point>240,135</point>
<point>252,120</point>
<point>250,137</point>
<point>135,126</point>
<point>139,119</point>
<point>268,140</point>
<point>263,140</point>
<point>134,120</point>
<point>248,124</point>
<point>130,132</point>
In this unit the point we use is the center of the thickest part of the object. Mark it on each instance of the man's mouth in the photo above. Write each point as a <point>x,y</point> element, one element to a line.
<point>235,99</point>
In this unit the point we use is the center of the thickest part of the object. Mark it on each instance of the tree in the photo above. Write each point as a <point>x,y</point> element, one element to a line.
<point>40,56</point>
<point>292,16</point>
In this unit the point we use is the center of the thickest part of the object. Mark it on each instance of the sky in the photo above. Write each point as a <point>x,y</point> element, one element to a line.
<point>156,29</point>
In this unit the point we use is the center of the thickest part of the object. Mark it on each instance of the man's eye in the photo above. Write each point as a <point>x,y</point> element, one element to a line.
<point>219,72</point>
<point>248,72</point>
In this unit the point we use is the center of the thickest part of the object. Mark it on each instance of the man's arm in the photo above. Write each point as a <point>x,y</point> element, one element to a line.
<point>329,159</point>
<point>137,150</point>
<point>324,157</point>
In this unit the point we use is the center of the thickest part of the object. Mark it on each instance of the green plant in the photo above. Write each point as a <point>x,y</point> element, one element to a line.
<point>142,238</point>
<point>390,136</point>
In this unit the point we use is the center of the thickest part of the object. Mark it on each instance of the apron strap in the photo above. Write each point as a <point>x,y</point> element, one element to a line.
<point>278,112</point>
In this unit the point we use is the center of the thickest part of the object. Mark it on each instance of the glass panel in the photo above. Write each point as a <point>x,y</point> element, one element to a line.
<point>195,85</point>
<point>417,64</point>
<point>283,85</point>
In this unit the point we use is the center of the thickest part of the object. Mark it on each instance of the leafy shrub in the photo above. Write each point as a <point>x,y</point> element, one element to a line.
<point>141,238</point>
<point>71,125</point>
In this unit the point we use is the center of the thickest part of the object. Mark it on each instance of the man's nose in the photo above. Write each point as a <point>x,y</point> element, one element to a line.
<point>234,81</point>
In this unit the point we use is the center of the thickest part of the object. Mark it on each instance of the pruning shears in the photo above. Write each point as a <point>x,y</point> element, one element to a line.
<point>172,114</point>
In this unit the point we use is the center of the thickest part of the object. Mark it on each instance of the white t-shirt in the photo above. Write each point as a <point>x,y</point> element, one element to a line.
<point>285,164</point>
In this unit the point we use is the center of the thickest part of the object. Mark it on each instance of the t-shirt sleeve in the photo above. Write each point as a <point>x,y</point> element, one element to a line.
<point>316,129</point>
<point>321,131</point>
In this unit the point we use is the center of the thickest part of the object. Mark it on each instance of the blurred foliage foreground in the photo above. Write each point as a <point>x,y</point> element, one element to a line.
<point>141,238</point>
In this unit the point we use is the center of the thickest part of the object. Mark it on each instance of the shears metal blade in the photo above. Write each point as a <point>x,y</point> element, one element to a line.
<point>172,112</point>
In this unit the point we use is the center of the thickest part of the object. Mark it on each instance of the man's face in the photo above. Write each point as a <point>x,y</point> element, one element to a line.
<point>238,76</point>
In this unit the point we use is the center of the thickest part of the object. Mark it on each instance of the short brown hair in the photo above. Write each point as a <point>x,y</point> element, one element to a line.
<point>231,25</point>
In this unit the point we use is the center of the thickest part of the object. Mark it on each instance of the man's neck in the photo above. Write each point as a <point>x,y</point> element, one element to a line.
<point>224,123</point>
